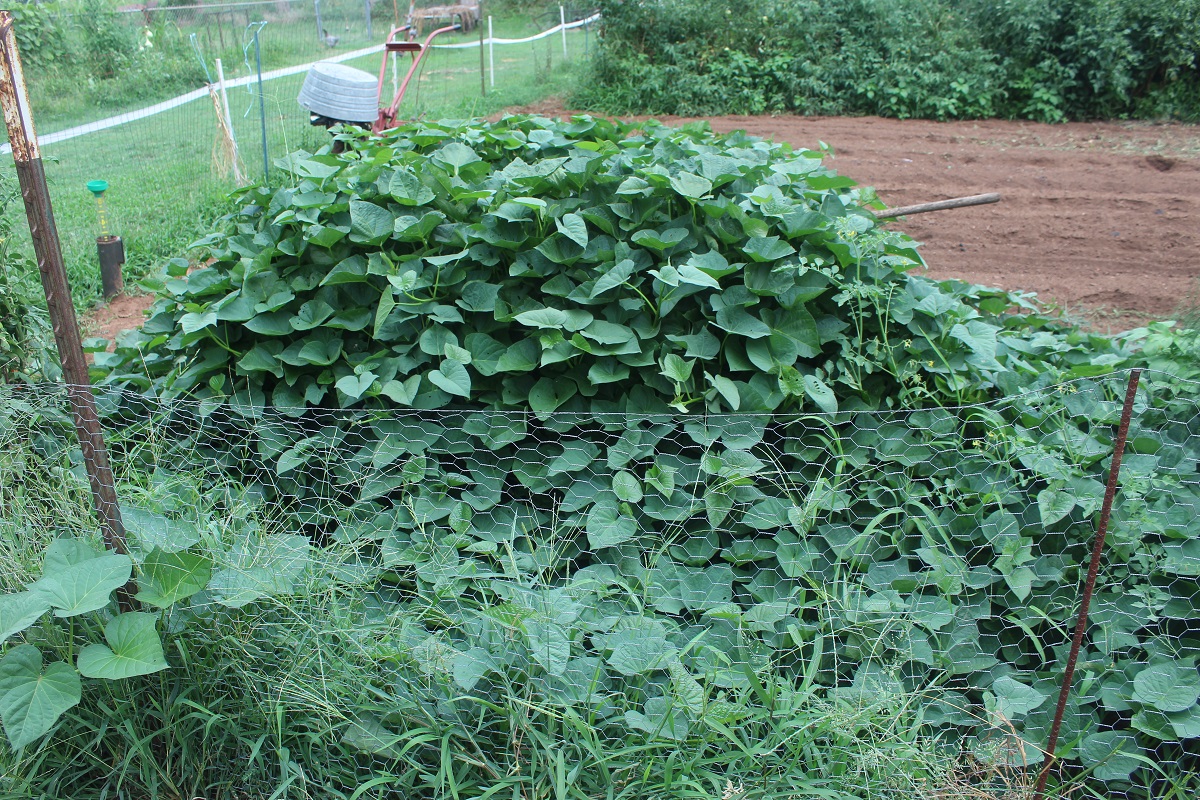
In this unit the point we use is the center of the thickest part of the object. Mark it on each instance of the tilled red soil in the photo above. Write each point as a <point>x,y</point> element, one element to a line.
<point>1102,219</point>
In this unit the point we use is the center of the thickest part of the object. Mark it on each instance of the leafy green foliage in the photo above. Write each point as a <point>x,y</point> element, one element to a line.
<point>24,325</point>
<point>78,580</point>
<point>32,700</point>
<point>1047,60</point>
<point>133,649</point>
<point>582,266</point>
<point>109,52</point>
<point>655,431</point>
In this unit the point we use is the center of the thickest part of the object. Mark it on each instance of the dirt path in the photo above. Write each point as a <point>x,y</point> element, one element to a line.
<point>1102,219</point>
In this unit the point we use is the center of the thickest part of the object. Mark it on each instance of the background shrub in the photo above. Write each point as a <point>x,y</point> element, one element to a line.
<point>89,49</point>
<point>1046,60</point>
<point>24,323</point>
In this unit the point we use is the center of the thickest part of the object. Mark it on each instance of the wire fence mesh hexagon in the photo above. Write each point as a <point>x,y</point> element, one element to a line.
<point>473,603</point>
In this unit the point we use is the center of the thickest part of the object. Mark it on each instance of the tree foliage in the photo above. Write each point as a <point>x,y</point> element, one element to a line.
<point>1047,60</point>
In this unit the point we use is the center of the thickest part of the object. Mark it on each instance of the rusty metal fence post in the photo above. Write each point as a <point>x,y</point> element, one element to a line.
<point>1089,584</point>
<point>36,196</point>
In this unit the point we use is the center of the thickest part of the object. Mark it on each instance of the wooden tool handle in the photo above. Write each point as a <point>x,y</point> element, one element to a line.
<point>940,205</point>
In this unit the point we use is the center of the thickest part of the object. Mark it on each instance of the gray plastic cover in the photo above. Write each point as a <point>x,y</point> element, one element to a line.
<point>340,92</point>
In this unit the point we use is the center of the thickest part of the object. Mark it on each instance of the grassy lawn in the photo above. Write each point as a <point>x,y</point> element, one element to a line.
<point>66,99</point>
<point>164,191</point>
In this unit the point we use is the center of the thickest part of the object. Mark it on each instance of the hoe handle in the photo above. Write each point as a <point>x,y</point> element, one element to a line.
<point>940,205</point>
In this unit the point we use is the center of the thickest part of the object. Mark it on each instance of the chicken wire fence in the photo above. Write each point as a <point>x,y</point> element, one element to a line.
<point>435,600</point>
<point>131,95</point>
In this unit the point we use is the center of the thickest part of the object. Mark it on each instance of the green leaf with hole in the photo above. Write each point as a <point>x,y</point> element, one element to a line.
<point>819,392</point>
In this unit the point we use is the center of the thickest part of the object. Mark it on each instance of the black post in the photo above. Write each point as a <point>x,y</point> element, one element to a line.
<point>36,196</point>
<point>111,251</point>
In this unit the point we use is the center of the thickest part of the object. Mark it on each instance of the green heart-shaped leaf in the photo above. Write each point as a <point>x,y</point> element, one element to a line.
<point>134,648</point>
<point>19,610</point>
<point>86,586</point>
<point>168,577</point>
<point>32,701</point>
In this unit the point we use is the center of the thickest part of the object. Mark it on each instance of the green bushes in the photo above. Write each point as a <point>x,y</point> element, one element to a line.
<point>577,459</point>
<point>92,55</point>
<point>1046,60</point>
<point>24,325</point>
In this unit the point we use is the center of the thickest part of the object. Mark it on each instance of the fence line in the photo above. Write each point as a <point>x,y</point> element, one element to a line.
<point>283,72</point>
<point>183,99</point>
<point>204,7</point>
<point>489,40</point>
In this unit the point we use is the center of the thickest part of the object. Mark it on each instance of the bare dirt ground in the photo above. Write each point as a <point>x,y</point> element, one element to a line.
<point>1101,219</point>
<point>118,314</point>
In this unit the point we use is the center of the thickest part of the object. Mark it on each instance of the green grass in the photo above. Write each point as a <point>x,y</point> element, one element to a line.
<point>64,98</point>
<point>164,193</point>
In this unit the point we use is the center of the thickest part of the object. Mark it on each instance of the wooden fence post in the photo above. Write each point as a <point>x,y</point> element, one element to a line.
<point>36,196</point>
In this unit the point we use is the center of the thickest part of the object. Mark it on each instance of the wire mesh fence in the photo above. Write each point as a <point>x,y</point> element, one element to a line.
<point>131,96</point>
<point>632,604</point>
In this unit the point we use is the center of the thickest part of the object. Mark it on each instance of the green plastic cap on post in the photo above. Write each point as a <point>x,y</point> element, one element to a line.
<point>97,188</point>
